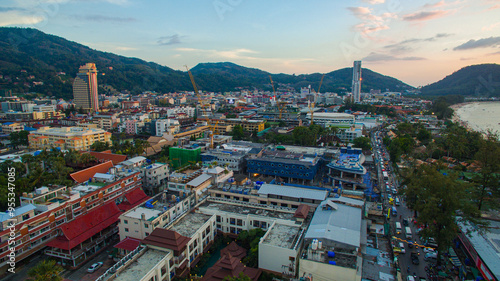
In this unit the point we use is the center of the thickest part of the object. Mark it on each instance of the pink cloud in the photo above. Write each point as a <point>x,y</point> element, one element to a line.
<point>425,15</point>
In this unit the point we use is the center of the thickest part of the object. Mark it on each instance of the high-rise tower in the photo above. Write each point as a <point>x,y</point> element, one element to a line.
<point>85,88</point>
<point>356,81</point>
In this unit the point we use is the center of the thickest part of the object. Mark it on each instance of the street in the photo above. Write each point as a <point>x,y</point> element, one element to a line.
<point>404,259</point>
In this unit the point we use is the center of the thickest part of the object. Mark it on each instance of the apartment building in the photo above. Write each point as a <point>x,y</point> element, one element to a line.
<point>77,138</point>
<point>9,128</point>
<point>170,126</point>
<point>155,176</point>
<point>72,222</point>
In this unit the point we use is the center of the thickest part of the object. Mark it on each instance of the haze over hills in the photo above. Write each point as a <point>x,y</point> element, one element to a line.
<point>482,80</point>
<point>44,56</point>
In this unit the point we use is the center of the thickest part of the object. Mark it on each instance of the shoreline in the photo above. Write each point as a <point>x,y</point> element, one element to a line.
<point>456,118</point>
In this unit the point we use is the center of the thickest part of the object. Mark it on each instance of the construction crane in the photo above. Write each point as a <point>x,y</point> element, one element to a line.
<point>213,131</point>
<point>280,104</point>
<point>311,104</point>
<point>202,106</point>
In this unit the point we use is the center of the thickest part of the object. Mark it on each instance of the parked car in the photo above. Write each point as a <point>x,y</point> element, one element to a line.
<point>429,250</point>
<point>405,222</point>
<point>94,267</point>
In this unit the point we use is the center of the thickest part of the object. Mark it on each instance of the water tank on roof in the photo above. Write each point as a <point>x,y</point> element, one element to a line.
<point>331,254</point>
<point>332,262</point>
<point>177,199</point>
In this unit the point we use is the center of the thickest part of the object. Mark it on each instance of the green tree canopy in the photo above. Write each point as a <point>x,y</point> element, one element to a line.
<point>45,270</point>
<point>363,143</point>
<point>438,199</point>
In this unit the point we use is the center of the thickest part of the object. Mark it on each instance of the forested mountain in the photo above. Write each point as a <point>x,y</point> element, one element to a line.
<point>482,80</point>
<point>29,56</point>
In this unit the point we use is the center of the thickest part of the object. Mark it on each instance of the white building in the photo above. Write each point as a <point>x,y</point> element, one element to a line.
<point>172,112</point>
<point>155,175</point>
<point>170,126</point>
<point>332,244</point>
<point>332,118</point>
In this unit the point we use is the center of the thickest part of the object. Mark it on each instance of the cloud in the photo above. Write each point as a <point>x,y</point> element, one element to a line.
<point>227,54</point>
<point>384,57</point>
<point>493,54</point>
<point>15,18</point>
<point>425,15</point>
<point>490,27</point>
<point>123,48</point>
<point>374,2</point>
<point>10,9</point>
<point>494,7</point>
<point>435,5</point>
<point>480,43</point>
<point>370,22</point>
<point>170,40</point>
<point>101,18</point>
<point>401,46</point>
<point>359,11</point>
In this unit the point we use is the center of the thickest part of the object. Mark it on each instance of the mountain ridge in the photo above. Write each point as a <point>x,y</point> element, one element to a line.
<point>44,56</point>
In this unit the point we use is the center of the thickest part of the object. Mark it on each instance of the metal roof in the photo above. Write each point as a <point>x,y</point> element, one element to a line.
<point>485,246</point>
<point>199,180</point>
<point>292,191</point>
<point>342,225</point>
<point>17,211</point>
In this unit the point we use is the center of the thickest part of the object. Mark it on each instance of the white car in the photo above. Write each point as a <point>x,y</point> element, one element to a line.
<point>94,267</point>
<point>429,250</point>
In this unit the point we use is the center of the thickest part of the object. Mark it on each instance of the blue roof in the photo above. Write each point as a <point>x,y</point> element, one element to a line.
<point>8,123</point>
<point>29,129</point>
<point>17,212</point>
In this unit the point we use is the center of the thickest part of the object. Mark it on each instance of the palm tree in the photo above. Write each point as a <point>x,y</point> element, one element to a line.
<point>46,270</point>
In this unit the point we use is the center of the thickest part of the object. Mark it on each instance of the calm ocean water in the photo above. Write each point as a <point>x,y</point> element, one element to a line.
<point>481,116</point>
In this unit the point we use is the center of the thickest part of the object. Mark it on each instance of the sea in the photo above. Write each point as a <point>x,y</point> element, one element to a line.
<point>480,116</point>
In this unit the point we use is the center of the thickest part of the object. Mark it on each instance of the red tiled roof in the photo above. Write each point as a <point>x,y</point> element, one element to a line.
<point>134,198</point>
<point>115,158</point>
<point>128,244</point>
<point>302,211</point>
<point>86,226</point>
<point>167,239</point>
<point>85,175</point>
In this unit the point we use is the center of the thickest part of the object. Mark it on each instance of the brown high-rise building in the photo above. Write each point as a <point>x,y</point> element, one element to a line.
<point>85,88</point>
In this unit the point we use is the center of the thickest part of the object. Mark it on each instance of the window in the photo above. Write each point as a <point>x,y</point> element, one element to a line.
<point>125,221</point>
<point>146,233</point>
<point>126,229</point>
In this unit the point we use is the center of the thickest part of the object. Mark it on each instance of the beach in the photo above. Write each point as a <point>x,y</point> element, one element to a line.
<point>478,116</point>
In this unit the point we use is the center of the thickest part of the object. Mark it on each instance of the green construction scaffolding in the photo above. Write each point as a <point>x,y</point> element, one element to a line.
<point>180,157</point>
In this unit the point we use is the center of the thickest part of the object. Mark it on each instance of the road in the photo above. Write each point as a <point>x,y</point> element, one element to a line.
<point>407,267</point>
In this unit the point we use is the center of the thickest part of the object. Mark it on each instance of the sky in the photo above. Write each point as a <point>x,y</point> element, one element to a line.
<point>418,42</point>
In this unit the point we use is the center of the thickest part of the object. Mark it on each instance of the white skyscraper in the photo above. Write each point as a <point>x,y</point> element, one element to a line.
<point>356,81</point>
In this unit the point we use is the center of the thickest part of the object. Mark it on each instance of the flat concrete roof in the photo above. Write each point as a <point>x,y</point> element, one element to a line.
<point>137,213</point>
<point>292,191</point>
<point>282,236</point>
<point>136,270</point>
<point>243,209</point>
<point>188,225</point>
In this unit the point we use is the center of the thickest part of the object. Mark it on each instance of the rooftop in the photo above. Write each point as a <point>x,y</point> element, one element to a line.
<point>188,225</point>
<point>282,236</point>
<point>244,209</point>
<point>337,220</point>
<point>292,191</point>
<point>199,180</point>
<point>17,212</point>
<point>148,213</point>
<point>136,270</point>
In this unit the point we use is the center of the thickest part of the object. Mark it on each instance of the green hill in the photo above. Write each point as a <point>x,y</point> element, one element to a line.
<point>26,52</point>
<point>481,80</point>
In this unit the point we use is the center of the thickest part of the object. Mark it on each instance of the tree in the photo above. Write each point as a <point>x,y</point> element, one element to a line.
<point>100,146</point>
<point>238,132</point>
<point>362,142</point>
<point>46,270</point>
<point>240,277</point>
<point>439,200</point>
<point>487,180</point>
